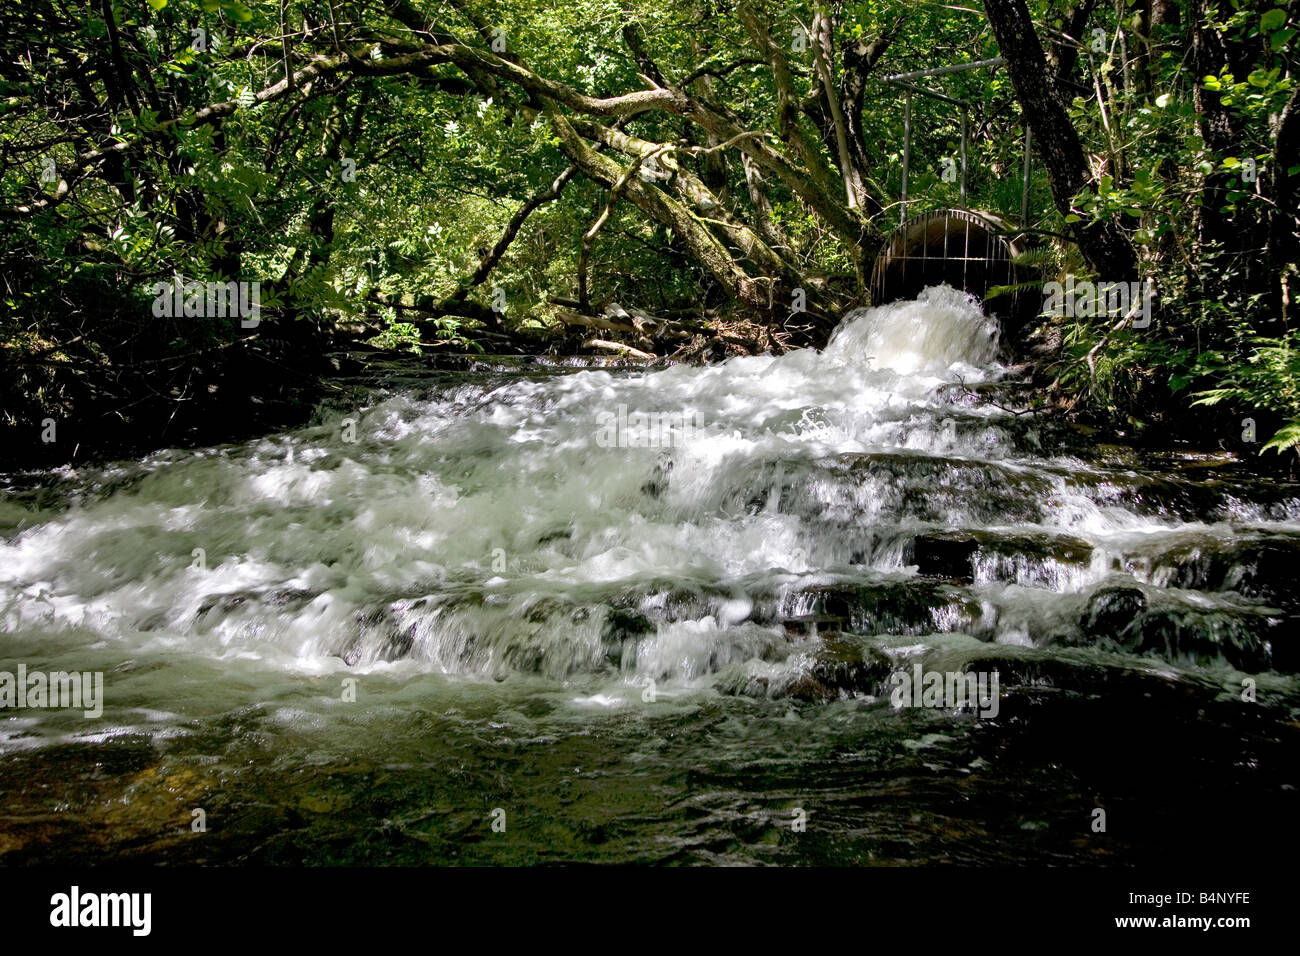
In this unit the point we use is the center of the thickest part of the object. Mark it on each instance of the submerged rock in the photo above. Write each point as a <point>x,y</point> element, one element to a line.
<point>1126,618</point>
<point>943,556</point>
<point>908,606</point>
<point>841,668</point>
<point>1185,635</point>
<point>845,668</point>
<point>1261,570</point>
<point>1265,572</point>
<point>1112,610</point>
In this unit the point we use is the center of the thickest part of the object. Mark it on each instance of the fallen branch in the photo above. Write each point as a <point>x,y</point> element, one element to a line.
<point>609,346</point>
<point>596,322</point>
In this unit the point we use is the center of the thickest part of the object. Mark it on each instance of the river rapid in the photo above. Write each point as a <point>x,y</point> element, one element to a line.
<point>661,616</point>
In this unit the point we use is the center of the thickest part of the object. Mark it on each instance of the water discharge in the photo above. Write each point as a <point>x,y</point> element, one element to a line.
<point>655,647</point>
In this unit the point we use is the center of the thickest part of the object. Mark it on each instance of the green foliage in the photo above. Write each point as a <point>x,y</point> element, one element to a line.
<point>1269,378</point>
<point>397,336</point>
<point>1192,213</point>
<point>365,188</point>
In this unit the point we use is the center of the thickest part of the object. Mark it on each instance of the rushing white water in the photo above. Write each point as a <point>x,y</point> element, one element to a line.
<point>348,643</point>
<point>485,532</point>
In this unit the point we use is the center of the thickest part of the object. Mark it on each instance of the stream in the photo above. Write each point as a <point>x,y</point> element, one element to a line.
<point>544,613</point>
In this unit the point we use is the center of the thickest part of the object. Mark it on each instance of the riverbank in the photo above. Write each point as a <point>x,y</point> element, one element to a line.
<point>247,389</point>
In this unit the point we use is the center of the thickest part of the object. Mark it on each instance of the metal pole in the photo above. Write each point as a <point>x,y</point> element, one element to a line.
<point>963,157</point>
<point>1024,189</point>
<point>930,93</point>
<point>940,70</point>
<point>925,219</point>
<point>965,260</point>
<point>907,150</point>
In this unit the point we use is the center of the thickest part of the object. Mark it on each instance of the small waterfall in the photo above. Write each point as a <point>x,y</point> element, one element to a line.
<point>664,525</point>
<point>721,566</point>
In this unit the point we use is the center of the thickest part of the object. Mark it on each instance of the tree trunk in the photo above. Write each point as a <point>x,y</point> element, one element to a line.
<point>1284,229</point>
<point>1104,245</point>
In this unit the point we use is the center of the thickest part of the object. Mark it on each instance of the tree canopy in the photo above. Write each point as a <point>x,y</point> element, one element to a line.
<point>490,176</point>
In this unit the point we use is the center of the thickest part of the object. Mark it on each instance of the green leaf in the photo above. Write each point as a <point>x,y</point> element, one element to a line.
<point>157,4</point>
<point>1287,437</point>
<point>1280,39</point>
<point>1214,396</point>
<point>1272,19</point>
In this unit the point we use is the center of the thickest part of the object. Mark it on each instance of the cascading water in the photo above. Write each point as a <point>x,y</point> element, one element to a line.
<point>647,613</point>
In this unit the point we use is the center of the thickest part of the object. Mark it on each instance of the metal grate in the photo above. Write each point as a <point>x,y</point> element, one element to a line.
<point>966,250</point>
